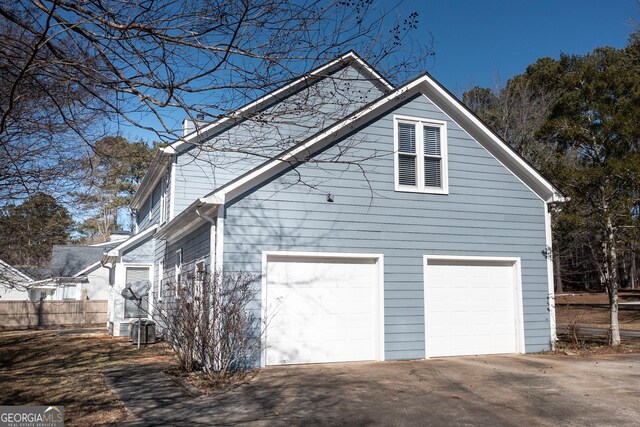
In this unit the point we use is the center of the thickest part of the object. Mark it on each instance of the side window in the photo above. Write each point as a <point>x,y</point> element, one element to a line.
<point>160,291</point>
<point>201,271</point>
<point>178,268</point>
<point>420,156</point>
<point>131,308</point>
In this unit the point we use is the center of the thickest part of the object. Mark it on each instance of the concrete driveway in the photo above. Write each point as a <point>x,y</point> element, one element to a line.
<point>476,391</point>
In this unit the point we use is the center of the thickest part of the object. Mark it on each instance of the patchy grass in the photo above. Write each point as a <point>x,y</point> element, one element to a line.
<point>66,368</point>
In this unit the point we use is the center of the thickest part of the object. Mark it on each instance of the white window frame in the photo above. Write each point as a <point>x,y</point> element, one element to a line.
<point>200,269</point>
<point>420,155</point>
<point>160,286</point>
<point>123,276</point>
<point>179,261</point>
<point>163,203</point>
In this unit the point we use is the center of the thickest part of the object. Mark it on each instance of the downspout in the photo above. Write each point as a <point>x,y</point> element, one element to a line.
<point>212,240</point>
<point>212,364</point>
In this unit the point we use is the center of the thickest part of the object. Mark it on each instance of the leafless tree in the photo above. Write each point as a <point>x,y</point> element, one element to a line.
<point>71,68</point>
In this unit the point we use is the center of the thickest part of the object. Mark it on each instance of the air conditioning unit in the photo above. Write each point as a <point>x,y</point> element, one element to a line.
<point>147,331</point>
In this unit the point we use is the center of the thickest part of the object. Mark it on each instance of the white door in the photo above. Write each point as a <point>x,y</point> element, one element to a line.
<point>471,307</point>
<point>320,309</point>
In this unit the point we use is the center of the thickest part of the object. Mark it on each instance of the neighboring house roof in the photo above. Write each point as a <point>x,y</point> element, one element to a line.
<point>69,260</point>
<point>162,157</point>
<point>10,276</point>
<point>111,257</point>
<point>422,85</point>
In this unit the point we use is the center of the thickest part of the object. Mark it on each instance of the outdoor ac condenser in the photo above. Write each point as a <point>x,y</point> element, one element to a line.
<point>148,331</point>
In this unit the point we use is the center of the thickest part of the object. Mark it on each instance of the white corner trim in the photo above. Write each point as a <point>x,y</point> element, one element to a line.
<point>172,189</point>
<point>551,288</point>
<point>515,262</point>
<point>379,293</point>
<point>219,252</point>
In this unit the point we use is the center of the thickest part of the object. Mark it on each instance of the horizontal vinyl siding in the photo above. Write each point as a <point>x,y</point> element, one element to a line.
<point>488,212</point>
<point>247,145</point>
<point>149,214</point>
<point>195,247</point>
<point>143,252</point>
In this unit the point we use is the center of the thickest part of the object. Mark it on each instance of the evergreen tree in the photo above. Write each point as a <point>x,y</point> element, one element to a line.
<point>116,168</point>
<point>29,231</point>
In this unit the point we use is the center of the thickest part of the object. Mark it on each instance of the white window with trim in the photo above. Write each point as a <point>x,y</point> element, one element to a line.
<point>136,308</point>
<point>420,147</point>
<point>178,273</point>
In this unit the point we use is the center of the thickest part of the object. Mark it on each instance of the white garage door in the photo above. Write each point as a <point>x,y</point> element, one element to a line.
<point>471,307</point>
<point>320,309</point>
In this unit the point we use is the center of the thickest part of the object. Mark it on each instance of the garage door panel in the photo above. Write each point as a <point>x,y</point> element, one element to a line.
<point>320,310</point>
<point>470,308</point>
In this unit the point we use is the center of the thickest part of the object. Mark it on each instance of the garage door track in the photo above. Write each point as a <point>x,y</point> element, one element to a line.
<point>482,390</point>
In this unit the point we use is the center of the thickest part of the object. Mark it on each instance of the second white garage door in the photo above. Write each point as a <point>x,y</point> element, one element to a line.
<point>321,309</point>
<point>471,306</point>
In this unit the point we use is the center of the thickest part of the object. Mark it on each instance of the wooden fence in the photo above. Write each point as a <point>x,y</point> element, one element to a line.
<point>26,314</point>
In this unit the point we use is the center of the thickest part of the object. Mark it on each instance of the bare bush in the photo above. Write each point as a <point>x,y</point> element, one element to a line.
<point>208,321</point>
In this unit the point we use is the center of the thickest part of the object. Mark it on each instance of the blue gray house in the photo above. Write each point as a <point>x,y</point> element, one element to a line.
<point>385,222</point>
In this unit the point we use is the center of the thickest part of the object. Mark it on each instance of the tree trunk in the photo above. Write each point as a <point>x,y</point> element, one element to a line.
<point>633,270</point>
<point>557,273</point>
<point>611,280</point>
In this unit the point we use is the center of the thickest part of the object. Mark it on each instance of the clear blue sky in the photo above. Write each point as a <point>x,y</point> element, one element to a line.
<point>477,41</point>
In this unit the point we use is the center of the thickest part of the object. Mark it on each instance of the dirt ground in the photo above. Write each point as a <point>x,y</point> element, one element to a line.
<point>582,309</point>
<point>66,367</point>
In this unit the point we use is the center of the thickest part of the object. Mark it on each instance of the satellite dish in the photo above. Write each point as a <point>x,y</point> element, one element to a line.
<point>136,290</point>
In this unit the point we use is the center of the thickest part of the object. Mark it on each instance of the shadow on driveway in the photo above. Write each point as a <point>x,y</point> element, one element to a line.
<point>482,390</point>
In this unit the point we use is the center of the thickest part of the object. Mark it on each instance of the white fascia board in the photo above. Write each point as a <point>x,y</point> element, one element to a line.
<point>151,178</point>
<point>427,86</point>
<point>187,221</point>
<point>14,270</point>
<point>88,269</point>
<point>275,94</point>
<point>510,159</point>
<point>115,252</point>
<point>305,149</point>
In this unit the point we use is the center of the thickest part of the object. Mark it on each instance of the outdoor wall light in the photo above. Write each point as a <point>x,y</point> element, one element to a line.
<point>329,198</point>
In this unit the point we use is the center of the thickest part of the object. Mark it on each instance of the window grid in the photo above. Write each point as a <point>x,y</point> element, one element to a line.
<point>420,155</point>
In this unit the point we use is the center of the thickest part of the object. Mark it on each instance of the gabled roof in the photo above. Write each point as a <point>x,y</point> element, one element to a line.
<point>422,85</point>
<point>163,156</point>
<point>425,85</point>
<point>10,275</point>
<point>68,260</point>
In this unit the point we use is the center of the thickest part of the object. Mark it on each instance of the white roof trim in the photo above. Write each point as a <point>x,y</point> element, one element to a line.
<point>132,241</point>
<point>238,113</point>
<point>88,269</point>
<point>473,119</point>
<point>16,271</point>
<point>423,84</point>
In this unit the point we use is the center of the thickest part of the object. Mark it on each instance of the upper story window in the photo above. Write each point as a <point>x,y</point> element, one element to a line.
<point>420,155</point>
